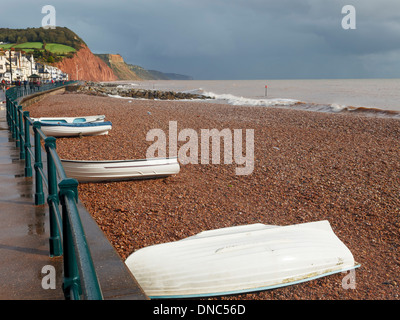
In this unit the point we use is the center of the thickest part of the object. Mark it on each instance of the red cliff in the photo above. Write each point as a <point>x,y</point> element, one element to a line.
<point>84,65</point>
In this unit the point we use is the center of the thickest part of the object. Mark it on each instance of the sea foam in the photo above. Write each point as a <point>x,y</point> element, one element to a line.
<point>239,101</point>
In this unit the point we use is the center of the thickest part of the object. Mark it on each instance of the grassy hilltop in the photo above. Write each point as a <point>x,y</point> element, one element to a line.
<point>32,46</point>
<point>46,45</point>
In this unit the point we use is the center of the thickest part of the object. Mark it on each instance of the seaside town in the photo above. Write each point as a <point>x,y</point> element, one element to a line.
<point>18,67</point>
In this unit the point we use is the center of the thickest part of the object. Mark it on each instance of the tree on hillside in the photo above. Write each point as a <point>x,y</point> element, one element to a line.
<point>32,35</point>
<point>11,38</point>
<point>22,39</point>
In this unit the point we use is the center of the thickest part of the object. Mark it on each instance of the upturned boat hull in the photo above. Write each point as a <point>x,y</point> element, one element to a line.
<point>95,171</point>
<point>240,259</point>
<point>76,129</point>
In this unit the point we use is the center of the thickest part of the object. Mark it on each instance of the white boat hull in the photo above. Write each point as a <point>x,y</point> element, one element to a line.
<point>83,119</point>
<point>81,129</point>
<point>239,259</point>
<point>95,171</point>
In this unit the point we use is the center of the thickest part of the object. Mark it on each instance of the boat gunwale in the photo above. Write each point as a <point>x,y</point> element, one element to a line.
<point>118,161</point>
<point>76,125</point>
<point>249,290</point>
<point>92,118</point>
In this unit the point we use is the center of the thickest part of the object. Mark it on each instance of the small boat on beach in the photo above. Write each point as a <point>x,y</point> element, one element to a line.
<point>240,259</point>
<point>84,119</point>
<point>75,129</point>
<point>117,170</point>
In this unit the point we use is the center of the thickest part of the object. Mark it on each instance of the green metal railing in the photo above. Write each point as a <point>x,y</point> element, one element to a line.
<point>67,237</point>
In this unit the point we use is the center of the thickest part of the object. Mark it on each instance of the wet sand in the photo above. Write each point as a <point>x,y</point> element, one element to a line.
<point>309,166</point>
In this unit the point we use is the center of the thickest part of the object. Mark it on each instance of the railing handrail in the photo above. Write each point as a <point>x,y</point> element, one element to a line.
<point>67,236</point>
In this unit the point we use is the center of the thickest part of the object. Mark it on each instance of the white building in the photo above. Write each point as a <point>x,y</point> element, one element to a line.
<point>23,65</point>
<point>3,65</point>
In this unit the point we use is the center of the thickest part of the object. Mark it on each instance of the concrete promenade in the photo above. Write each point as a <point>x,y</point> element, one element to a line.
<point>24,238</point>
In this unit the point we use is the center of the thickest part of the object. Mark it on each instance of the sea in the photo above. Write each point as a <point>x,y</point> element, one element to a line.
<point>380,97</point>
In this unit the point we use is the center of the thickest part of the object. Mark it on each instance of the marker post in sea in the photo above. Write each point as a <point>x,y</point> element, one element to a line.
<point>266,90</point>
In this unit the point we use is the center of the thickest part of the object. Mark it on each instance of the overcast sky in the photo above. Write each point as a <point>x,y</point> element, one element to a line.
<point>232,39</point>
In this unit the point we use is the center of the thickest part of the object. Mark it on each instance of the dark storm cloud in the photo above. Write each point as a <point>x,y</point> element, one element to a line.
<point>226,39</point>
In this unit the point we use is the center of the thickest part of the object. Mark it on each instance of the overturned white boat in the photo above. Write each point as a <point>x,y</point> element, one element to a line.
<point>240,259</point>
<point>75,129</point>
<point>115,170</point>
<point>84,119</point>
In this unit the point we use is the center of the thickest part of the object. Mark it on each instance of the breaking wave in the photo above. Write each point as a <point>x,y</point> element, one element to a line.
<point>240,101</point>
<point>337,108</point>
<point>298,105</point>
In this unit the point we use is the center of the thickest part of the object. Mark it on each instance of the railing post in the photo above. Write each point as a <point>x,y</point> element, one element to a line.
<point>12,114</point>
<point>8,110</point>
<point>39,195</point>
<point>21,134</point>
<point>16,121</point>
<point>55,239</point>
<point>69,188</point>
<point>27,146</point>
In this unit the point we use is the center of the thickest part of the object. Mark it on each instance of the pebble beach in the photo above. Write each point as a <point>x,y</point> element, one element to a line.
<point>308,166</point>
